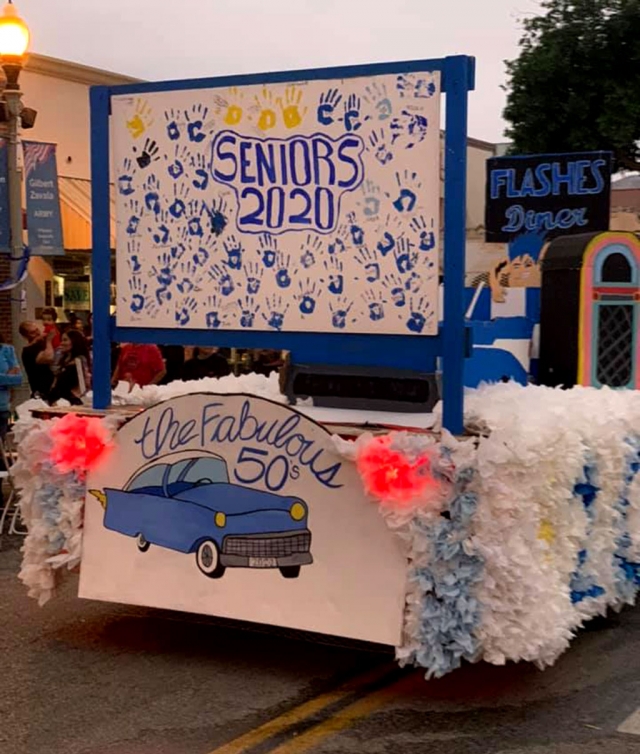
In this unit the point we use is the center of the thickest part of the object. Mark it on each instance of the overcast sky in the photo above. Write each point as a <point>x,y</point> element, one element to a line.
<point>160,39</point>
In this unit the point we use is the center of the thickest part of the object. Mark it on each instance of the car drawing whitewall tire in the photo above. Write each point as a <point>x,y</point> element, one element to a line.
<point>208,559</point>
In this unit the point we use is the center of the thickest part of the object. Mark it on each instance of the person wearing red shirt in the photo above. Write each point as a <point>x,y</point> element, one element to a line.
<point>139,364</point>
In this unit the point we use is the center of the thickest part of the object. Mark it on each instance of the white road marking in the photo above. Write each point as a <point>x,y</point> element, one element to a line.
<point>631,724</point>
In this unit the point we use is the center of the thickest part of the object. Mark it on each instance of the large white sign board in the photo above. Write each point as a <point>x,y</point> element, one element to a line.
<point>300,207</point>
<point>238,507</point>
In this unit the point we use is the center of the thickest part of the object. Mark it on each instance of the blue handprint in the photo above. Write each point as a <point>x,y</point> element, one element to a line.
<point>176,168</point>
<point>329,100</point>
<point>194,225</point>
<point>268,250</point>
<point>336,279</point>
<point>200,172</point>
<point>386,243</point>
<point>276,312</point>
<point>152,194</point>
<point>164,273</point>
<point>374,304</point>
<point>195,122</point>
<point>369,260</point>
<point>134,219</point>
<point>357,234</point>
<point>179,207</point>
<point>253,272</point>
<point>283,278</point>
<point>185,310</point>
<point>233,248</point>
<point>163,295</point>
<point>416,85</point>
<point>223,280</point>
<point>405,259</point>
<point>313,246</point>
<point>138,295</point>
<point>417,320</point>
<point>125,180</point>
<point>376,95</point>
<point>217,216</point>
<point>201,256</point>
<point>337,246</point>
<point>339,313</point>
<point>213,319</point>
<point>427,237</point>
<point>307,296</point>
<point>161,234</point>
<point>133,254</point>
<point>248,311</point>
<point>396,288</point>
<point>178,251</point>
<point>173,129</point>
<point>352,120</point>
<point>378,145</point>
<point>408,129</point>
<point>188,270</point>
<point>407,197</point>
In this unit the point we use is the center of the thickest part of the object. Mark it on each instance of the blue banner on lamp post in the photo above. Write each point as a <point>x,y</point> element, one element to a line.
<point>44,224</point>
<point>5,228</point>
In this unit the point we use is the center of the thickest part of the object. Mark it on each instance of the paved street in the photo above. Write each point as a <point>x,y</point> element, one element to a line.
<point>90,678</point>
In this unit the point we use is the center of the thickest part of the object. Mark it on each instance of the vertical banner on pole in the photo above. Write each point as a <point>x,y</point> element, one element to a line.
<point>5,226</point>
<point>44,222</point>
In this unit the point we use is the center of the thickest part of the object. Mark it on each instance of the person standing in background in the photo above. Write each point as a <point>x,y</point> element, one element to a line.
<point>73,378</point>
<point>139,364</point>
<point>205,362</point>
<point>39,374</point>
<point>174,362</point>
<point>10,376</point>
<point>50,320</point>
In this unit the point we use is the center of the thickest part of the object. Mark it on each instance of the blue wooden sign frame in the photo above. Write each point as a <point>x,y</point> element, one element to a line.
<point>375,351</point>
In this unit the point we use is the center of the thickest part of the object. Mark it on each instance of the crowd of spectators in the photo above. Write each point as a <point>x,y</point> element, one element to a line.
<point>57,359</point>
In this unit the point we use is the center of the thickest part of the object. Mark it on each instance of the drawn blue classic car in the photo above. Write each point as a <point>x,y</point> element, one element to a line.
<point>191,507</point>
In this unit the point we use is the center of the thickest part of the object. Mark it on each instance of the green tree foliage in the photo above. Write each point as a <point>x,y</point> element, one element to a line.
<point>576,83</point>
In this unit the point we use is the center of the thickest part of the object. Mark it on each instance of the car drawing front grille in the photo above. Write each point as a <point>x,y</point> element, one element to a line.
<point>268,546</point>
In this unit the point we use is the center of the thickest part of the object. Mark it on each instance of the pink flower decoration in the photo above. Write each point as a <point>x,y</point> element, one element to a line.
<point>79,443</point>
<point>389,475</point>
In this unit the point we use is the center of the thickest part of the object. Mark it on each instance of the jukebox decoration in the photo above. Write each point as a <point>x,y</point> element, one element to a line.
<point>589,311</point>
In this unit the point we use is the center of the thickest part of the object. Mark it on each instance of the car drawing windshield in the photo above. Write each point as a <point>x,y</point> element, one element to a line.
<point>171,480</point>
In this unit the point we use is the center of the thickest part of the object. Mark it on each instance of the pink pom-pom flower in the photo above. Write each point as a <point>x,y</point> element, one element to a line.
<point>389,475</point>
<point>79,443</point>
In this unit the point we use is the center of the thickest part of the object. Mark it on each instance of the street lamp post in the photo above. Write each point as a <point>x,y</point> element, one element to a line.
<point>14,42</point>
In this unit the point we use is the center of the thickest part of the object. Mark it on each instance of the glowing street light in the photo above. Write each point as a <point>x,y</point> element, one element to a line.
<point>14,33</point>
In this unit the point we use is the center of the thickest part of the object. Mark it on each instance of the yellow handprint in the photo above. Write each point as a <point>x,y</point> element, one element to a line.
<point>265,105</point>
<point>141,119</point>
<point>291,107</point>
<point>232,112</point>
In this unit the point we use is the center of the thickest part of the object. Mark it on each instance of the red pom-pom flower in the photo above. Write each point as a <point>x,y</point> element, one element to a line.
<point>390,475</point>
<point>79,443</point>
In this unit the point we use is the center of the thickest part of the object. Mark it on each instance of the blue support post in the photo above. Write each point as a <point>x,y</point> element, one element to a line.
<point>101,253</point>
<point>458,74</point>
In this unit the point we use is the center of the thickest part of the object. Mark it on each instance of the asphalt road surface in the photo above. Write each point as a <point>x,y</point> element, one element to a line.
<point>80,677</point>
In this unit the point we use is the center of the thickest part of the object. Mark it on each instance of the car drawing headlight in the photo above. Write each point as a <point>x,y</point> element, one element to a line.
<point>298,511</point>
<point>220,519</point>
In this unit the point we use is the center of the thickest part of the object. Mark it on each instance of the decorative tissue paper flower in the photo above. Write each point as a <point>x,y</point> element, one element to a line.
<point>79,443</point>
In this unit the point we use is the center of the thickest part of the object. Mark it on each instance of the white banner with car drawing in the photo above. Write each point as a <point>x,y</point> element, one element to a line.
<point>239,507</point>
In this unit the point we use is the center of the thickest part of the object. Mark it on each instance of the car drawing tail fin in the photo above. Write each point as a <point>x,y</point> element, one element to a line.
<point>100,497</point>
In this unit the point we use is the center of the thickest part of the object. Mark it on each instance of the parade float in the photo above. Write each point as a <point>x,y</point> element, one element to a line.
<point>361,494</point>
